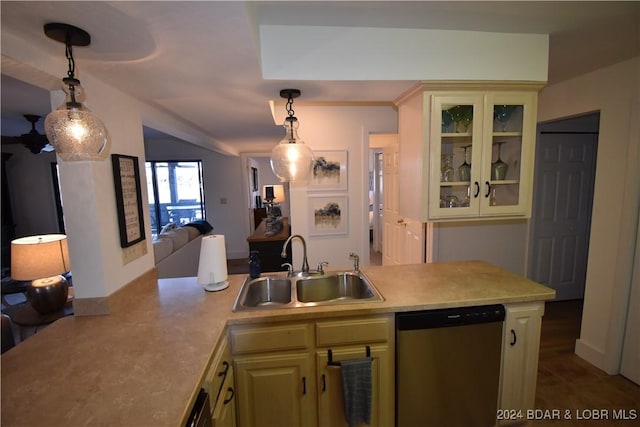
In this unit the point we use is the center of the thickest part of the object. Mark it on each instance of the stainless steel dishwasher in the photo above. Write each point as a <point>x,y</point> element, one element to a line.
<point>448,366</point>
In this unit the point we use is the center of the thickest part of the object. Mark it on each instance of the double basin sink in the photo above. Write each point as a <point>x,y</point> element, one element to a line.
<point>280,291</point>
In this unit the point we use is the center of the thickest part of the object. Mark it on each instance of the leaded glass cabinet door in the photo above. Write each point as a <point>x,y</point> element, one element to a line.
<point>507,154</point>
<point>455,155</point>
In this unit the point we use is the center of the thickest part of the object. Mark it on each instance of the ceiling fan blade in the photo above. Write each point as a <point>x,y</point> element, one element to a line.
<point>11,140</point>
<point>32,140</point>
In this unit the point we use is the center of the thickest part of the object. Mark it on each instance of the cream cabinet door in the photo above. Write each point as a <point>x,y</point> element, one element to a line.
<point>329,383</point>
<point>520,349</point>
<point>455,140</point>
<point>482,149</point>
<point>224,413</point>
<point>276,390</point>
<point>508,154</point>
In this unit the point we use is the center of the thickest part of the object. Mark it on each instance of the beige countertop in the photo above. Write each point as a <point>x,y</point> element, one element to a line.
<point>142,364</point>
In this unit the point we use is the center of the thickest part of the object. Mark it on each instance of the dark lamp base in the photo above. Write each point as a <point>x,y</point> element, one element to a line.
<point>48,295</point>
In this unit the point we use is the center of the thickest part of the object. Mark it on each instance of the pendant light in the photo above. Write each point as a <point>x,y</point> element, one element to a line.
<point>291,160</point>
<point>73,130</point>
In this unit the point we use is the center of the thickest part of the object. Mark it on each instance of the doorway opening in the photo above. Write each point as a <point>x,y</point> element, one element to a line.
<point>375,207</point>
<point>562,204</point>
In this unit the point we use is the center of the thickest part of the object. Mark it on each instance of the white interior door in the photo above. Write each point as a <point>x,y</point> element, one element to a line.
<point>392,244</point>
<point>414,242</point>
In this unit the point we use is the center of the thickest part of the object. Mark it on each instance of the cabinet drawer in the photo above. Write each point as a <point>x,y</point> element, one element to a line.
<point>270,338</point>
<point>354,331</point>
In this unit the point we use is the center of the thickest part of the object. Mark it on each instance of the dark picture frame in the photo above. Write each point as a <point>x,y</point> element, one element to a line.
<point>126,179</point>
<point>254,179</point>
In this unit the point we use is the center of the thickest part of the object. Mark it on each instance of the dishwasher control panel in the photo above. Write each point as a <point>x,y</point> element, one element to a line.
<point>440,318</point>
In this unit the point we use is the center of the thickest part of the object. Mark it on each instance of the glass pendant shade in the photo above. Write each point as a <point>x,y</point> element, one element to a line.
<point>74,131</point>
<point>292,159</point>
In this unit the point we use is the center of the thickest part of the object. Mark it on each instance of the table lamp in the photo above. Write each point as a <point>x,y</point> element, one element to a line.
<point>42,260</point>
<point>272,193</point>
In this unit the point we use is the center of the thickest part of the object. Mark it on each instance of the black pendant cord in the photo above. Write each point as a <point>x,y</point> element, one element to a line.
<point>291,117</point>
<point>72,64</point>
<point>71,80</point>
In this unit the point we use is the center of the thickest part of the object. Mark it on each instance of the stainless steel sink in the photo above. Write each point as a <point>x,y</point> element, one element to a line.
<point>266,291</point>
<point>276,291</point>
<point>333,287</point>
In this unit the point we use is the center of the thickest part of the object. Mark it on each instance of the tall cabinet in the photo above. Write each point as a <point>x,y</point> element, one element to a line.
<point>467,150</point>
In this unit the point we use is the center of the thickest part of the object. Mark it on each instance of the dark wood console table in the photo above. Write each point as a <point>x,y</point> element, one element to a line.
<point>270,247</point>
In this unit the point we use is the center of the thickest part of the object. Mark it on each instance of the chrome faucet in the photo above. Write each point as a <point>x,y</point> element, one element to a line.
<point>305,263</point>
<point>356,261</point>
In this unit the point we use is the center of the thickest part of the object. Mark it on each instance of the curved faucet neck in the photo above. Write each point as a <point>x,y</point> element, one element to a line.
<point>305,263</point>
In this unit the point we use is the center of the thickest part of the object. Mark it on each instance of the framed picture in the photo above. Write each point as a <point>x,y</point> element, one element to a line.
<point>126,178</point>
<point>254,179</point>
<point>329,215</point>
<point>329,171</point>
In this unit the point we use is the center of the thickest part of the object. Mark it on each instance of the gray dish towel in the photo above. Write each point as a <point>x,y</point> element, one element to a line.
<point>356,388</point>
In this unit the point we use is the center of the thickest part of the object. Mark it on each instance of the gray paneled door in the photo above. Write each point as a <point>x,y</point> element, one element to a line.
<point>561,217</point>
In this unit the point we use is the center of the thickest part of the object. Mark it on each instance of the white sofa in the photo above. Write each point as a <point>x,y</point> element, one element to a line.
<point>177,251</point>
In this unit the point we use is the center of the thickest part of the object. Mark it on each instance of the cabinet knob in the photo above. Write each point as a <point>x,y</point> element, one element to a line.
<point>477,193</point>
<point>488,188</point>
<point>401,221</point>
<point>514,338</point>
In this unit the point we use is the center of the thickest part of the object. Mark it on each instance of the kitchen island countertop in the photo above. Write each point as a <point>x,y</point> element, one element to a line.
<point>142,364</point>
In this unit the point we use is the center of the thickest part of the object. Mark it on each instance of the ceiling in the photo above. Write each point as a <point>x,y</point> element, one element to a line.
<point>200,61</point>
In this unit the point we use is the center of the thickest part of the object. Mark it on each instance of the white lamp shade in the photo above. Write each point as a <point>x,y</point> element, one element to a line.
<point>37,257</point>
<point>75,132</point>
<point>278,193</point>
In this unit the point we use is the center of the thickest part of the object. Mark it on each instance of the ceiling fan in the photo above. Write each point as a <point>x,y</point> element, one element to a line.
<point>33,140</point>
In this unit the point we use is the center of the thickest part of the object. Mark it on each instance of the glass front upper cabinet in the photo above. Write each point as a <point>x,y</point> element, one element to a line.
<point>481,155</point>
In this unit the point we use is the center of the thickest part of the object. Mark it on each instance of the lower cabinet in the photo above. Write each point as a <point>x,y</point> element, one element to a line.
<point>288,374</point>
<point>520,349</point>
<point>330,396</point>
<point>219,383</point>
<point>283,375</point>
<point>276,390</point>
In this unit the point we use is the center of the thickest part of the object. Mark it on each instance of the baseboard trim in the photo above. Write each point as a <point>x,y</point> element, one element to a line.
<point>590,354</point>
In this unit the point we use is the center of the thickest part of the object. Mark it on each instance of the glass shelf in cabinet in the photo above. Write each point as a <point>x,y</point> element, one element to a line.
<point>456,134</point>
<point>507,134</point>
<point>455,184</point>
<point>504,182</point>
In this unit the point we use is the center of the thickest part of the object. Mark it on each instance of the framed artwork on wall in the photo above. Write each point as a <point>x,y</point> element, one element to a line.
<point>329,171</point>
<point>126,178</point>
<point>329,215</point>
<point>254,179</point>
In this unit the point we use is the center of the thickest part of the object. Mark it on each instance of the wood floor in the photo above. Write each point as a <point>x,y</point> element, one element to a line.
<point>568,383</point>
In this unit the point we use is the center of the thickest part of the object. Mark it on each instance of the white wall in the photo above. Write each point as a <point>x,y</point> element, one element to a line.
<point>615,92</point>
<point>502,243</point>
<point>335,128</point>
<point>100,266</point>
<point>31,191</point>
<point>222,177</point>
